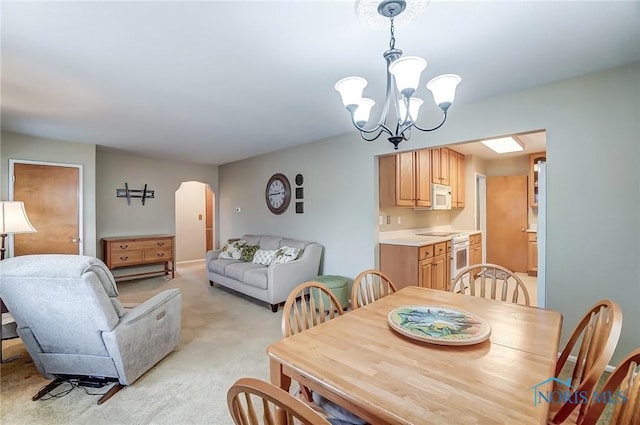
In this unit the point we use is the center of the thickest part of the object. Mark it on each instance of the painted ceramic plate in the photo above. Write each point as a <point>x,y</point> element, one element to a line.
<point>439,325</point>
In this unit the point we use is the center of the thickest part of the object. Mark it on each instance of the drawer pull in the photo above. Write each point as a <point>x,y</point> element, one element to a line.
<point>160,243</point>
<point>124,258</point>
<point>124,246</point>
<point>160,254</point>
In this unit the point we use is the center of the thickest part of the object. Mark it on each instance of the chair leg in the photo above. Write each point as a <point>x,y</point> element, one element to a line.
<point>117,387</point>
<point>49,387</point>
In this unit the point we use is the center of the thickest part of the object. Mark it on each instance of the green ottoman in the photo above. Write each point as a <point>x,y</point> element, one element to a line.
<point>339,285</point>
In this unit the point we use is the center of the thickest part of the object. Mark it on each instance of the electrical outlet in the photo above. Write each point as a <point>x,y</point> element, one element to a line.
<point>399,220</point>
<point>380,220</point>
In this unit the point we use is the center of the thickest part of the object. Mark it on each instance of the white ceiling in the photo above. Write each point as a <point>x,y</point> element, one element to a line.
<point>219,81</point>
<point>533,142</point>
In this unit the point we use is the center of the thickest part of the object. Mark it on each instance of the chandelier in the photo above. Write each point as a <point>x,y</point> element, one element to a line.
<point>403,78</point>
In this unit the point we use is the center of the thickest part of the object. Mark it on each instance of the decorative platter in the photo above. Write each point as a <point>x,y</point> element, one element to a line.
<point>439,325</point>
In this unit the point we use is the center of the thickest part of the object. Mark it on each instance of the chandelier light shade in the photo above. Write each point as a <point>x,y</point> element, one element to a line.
<point>401,107</point>
<point>13,219</point>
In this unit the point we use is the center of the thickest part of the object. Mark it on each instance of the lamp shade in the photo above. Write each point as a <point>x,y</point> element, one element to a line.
<point>361,114</point>
<point>443,88</point>
<point>350,89</point>
<point>13,218</point>
<point>406,72</point>
<point>414,107</point>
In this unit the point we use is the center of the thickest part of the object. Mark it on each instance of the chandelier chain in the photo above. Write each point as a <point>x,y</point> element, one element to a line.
<point>392,42</point>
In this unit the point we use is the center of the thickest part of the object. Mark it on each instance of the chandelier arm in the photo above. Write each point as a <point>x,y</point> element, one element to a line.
<point>362,134</point>
<point>444,118</point>
<point>379,127</point>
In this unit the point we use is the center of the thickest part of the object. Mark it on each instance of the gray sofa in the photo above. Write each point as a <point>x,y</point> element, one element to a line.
<point>273,283</point>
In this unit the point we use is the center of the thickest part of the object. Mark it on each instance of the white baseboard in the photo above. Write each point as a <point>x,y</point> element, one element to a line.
<point>190,261</point>
<point>608,368</point>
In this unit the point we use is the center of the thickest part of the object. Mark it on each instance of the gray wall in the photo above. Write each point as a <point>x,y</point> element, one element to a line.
<point>593,141</point>
<point>19,146</point>
<point>157,216</point>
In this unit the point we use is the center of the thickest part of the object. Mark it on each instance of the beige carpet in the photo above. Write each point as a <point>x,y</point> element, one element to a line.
<point>224,337</point>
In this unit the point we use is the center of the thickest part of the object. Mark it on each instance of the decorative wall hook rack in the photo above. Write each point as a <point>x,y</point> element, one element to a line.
<point>131,193</point>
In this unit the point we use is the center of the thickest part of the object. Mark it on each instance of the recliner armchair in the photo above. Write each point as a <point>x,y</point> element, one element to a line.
<point>72,323</point>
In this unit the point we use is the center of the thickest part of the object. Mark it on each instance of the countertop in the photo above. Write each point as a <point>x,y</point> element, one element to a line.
<point>410,238</point>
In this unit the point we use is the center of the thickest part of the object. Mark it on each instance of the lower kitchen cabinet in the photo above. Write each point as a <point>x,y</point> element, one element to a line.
<point>427,266</point>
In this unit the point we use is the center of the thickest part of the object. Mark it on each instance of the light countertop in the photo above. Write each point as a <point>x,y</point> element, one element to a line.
<point>410,238</point>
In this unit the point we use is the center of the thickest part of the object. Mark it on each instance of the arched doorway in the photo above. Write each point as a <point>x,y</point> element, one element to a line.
<point>195,232</point>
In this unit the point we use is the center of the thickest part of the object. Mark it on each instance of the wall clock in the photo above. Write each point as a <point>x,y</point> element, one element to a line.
<point>278,193</point>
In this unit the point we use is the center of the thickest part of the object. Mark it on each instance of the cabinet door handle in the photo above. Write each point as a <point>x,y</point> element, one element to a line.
<point>160,254</point>
<point>160,243</point>
<point>124,246</point>
<point>124,258</point>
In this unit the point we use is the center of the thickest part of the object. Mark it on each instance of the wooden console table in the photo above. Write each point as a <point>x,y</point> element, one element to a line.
<point>128,251</point>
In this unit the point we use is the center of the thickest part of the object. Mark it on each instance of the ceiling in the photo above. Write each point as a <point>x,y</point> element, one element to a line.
<point>215,82</point>
<point>533,142</point>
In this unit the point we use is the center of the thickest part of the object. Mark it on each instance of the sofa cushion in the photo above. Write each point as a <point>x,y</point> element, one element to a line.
<point>247,252</point>
<point>270,242</point>
<point>294,243</point>
<point>232,251</point>
<point>264,256</point>
<point>252,239</point>
<point>236,271</point>
<point>256,278</point>
<point>219,265</point>
<point>285,254</point>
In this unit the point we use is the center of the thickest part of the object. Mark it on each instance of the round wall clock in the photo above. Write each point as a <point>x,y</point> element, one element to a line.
<point>278,193</point>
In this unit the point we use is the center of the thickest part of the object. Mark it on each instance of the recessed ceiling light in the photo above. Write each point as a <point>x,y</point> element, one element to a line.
<point>504,145</point>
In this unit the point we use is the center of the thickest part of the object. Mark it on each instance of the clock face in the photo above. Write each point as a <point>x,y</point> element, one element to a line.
<point>278,193</point>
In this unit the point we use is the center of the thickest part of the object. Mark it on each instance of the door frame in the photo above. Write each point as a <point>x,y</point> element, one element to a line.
<point>12,179</point>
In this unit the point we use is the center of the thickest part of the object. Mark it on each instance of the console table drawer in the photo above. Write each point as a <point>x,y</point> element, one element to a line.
<point>127,258</point>
<point>155,255</point>
<point>144,244</point>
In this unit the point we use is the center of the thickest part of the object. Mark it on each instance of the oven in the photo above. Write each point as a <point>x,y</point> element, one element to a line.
<point>459,253</point>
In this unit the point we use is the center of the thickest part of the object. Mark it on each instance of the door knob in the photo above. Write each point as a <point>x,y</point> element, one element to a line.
<point>523,229</point>
<point>75,240</point>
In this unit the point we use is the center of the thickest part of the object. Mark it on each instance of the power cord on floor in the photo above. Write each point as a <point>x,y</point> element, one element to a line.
<point>71,383</point>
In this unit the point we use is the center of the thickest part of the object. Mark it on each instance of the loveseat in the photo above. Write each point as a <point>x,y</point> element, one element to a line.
<point>267,273</point>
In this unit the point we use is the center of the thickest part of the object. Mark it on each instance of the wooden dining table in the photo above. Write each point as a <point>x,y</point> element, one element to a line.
<point>357,361</point>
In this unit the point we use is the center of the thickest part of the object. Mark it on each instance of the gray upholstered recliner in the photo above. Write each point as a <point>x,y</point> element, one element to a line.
<point>72,324</point>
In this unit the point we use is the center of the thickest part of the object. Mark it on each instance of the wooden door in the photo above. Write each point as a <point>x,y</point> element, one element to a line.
<point>209,235</point>
<point>507,222</point>
<point>444,166</point>
<point>426,273</point>
<point>439,273</point>
<point>453,178</point>
<point>461,180</point>
<point>51,196</point>
<point>423,178</point>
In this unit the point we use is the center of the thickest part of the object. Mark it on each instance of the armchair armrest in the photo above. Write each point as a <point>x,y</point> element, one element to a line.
<point>145,335</point>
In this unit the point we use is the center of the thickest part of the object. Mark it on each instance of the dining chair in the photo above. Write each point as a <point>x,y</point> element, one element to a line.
<point>490,281</point>
<point>592,343</point>
<point>621,390</point>
<point>369,286</point>
<point>250,399</point>
<point>305,308</point>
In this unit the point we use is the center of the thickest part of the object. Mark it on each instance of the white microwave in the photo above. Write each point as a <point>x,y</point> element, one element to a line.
<point>440,197</point>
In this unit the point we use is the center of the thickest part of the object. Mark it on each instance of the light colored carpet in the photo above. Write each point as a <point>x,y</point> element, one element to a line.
<point>224,337</point>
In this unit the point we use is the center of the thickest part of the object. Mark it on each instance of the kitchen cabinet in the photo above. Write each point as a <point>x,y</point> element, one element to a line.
<point>532,254</point>
<point>440,166</point>
<point>456,178</point>
<point>475,249</point>
<point>427,266</point>
<point>534,159</point>
<point>405,179</point>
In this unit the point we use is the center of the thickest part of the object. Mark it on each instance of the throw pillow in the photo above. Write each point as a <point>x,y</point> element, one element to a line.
<point>232,251</point>
<point>247,252</point>
<point>285,254</point>
<point>264,256</point>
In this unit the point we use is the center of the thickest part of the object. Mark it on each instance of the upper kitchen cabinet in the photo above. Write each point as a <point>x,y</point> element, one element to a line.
<point>440,166</point>
<point>456,178</point>
<point>534,160</point>
<point>405,179</point>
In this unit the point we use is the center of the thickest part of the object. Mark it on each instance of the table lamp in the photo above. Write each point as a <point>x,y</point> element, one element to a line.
<point>13,219</point>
